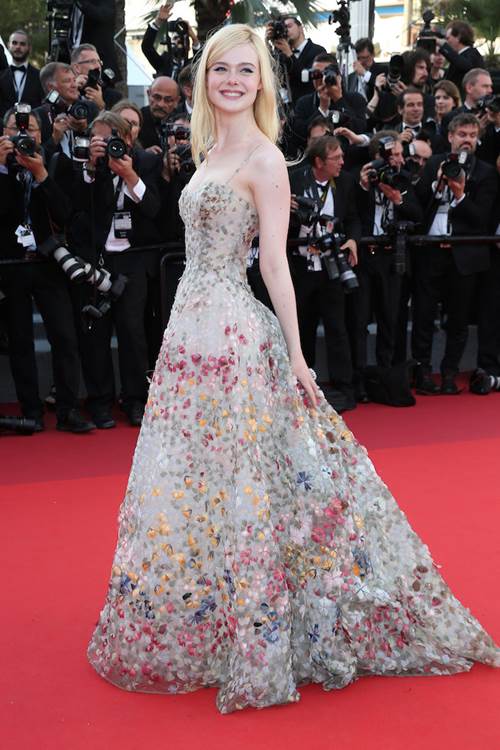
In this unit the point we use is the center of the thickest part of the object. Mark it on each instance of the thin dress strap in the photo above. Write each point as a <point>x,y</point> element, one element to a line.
<point>247,157</point>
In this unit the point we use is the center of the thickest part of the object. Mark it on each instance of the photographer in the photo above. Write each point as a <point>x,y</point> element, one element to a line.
<point>489,148</point>
<point>413,123</point>
<point>458,49</point>
<point>94,84</point>
<point>176,57</point>
<point>365,69</point>
<point>385,200</point>
<point>116,204</point>
<point>295,54</point>
<point>64,114</point>
<point>320,292</point>
<point>345,109</point>
<point>32,202</point>
<point>20,81</point>
<point>164,100</point>
<point>457,192</point>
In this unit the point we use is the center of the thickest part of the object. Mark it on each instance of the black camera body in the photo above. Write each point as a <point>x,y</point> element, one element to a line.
<point>187,164</point>
<point>279,29</point>
<point>24,143</point>
<point>178,131</point>
<point>455,164</point>
<point>333,258</point>
<point>491,102</point>
<point>56,103</point>
<point>179,26</point>
<point>427,36</point>
<point>308,211</point>
<point>394,73</point>
<point>116,146</point>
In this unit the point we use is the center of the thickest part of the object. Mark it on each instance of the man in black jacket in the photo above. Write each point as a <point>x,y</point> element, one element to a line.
<point>20,82</point>
<point>84,61</point>
<point>457,200</point>
<point>346,109</point>
<point>362,79</point>
<point>31,203</point>
<point>176,56</point>
<point>381,206</point>
<point>118,199</point>
<point>59,123</point>
<point>318,295</point>
<point>459,50</point>
<point>164,100</point>
<point>295,55</point>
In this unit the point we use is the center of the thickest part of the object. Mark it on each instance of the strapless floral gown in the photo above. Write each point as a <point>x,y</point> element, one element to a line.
<point>258,549</point>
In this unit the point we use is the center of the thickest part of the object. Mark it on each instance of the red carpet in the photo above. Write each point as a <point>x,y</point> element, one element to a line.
<point>59,498</point>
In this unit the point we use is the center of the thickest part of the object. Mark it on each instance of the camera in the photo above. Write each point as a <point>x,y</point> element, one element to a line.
<point>78,110</point>
<point>178,131</point>
<point>334,259</point>
<point>23,142</point>
<point>308,211</point>
<point>187,164</point>
<point>81,148</point>
<point>178,27</point>
<point>491,102</point>
<point>427,36</point>
<point>382,172</point>
<point>56,103</point>
<point>278,30</point>
<point>116,146</point>
<point>395,71</point>
<point>96,77</point>
<point>307,75</point>
<point>455,165</point>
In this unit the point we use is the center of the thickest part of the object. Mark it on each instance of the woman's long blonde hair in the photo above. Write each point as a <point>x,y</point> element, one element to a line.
<point>266,102</point>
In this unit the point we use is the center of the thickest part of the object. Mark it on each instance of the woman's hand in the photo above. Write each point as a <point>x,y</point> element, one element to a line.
<point>305,378</point>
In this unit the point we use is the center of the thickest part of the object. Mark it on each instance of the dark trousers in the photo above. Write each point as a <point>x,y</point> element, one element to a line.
<point>401,335</point>
<point>488,320</point>
<point>318,297</point>
<point>46,284</point>
<point>127,315</point>
<point>378,293</point>
<point>438,280</point>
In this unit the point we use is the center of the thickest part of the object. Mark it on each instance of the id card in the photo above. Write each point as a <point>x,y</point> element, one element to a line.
<point>25,237</point>
<point>122,224</point>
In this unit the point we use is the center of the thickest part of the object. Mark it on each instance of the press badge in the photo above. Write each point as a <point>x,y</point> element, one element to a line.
<point>25,237</point>
<point>122,224</point>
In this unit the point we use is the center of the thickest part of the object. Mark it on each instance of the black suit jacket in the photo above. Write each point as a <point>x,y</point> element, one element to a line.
<point>144,228</point>
<point>149,134</point>
<point>294,66</point>
<point>460,64</point>
<point>45,114</point>
<point>489,147</point>
<point>471,216</point>
<point>375,70</point>
<point>52,197</point>
<point>301,181</point>
<point>32,92</point>
<point>164,64</point>
<point>3,59</point>
<point>99,30</point>
<point>306,110</point>
<point>409,210</point>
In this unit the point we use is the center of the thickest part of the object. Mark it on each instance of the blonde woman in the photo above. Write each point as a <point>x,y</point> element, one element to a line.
<point>258,549</point>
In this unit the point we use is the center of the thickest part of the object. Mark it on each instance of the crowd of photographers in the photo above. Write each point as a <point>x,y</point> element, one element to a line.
<point>89,191</point>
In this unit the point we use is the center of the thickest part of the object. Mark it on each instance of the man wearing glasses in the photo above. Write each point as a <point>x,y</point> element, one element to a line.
<point>20,82</point>
<point>164,99</point>
<point>319,295</point>
<point>85,59</point>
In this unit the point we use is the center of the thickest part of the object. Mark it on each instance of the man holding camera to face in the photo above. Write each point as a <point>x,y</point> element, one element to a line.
<point>323,212</point>
<point>164,98</point>
<point>457,192</point>
<point>295,55</point>
<point>94,83</point>
<point>329,100</point>
<point>64,113</point>
<point>32,204</point>
<point>180,35</point>
<point>115,208</point>
<point>388,207</point>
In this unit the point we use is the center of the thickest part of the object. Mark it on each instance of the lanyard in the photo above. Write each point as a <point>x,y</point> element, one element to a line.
<point>119,194</point>
<point>27,181</point>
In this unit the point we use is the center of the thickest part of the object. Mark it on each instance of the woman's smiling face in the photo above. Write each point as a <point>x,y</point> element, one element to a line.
<point>233,80</point>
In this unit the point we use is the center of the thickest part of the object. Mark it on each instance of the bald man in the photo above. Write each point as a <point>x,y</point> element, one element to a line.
<point>164,100</point>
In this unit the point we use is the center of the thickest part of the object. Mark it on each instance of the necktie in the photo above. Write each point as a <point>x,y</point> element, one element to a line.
<point>20,68</point>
